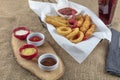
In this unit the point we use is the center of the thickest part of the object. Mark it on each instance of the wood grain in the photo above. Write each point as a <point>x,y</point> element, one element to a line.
<point>32,66</point>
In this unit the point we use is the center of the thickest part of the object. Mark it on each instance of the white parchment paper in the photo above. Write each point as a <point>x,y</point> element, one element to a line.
<point>78,51</point>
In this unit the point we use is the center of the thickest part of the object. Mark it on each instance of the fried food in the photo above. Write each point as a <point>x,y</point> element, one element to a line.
<point>86,24</point>
<point>78,16</point>
<point>64,30</point>
<point>58,18</point>
<point>73,33</point>
<point>54,22</point>
<point>77,38</point>
<point>80,21</point>
<point>90,31</point>
<point>76,29</point>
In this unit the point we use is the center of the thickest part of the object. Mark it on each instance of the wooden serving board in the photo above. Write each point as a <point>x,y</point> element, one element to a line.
<point>32,65</point>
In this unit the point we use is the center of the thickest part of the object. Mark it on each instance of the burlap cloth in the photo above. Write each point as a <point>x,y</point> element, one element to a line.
<point>14,13</point>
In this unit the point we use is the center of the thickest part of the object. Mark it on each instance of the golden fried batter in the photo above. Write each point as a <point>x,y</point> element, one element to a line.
<point>90,31</point>
<point>80,21</point>
<point>83,30</point>
<point>78,37</point>
<point>59,19</point>
<point>54,22</point>
<point>78,16</point>
<point>73,33</point>
<point>64,30</point>
<point>86,24</point>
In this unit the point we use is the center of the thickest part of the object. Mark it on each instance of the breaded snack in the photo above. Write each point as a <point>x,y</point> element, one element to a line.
<point>73,33</point>
<point>54,22</point>
<point>59,19</point>
<point>78,16</point>
<point>76,29</point>
<point>86,24</point>
<point>90,31</point>
<point>87,17</point>
<point>64,30</point>
<point>80,21</point>
<point>77,38</point>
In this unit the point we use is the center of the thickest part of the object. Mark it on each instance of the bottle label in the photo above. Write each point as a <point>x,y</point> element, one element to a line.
<point>105,9</point>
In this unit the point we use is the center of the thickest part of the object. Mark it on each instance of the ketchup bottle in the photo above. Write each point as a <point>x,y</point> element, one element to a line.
<point>106,10</point>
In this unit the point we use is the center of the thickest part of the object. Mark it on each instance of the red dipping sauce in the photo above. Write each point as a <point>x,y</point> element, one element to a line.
<point>35,39</point>
<point>48,62</point>
<point>67,11</point>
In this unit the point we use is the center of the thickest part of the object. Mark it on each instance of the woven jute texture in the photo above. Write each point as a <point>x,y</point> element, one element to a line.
<point>14,13</point>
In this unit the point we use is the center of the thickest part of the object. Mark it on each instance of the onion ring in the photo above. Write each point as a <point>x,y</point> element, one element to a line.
<point>77,38</point>
<point>90,31</point>
<point>64,30</point>
<point>73,33</point>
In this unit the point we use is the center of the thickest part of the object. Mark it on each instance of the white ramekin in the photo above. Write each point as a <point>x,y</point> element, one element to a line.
<point>39,43</point>
<point>48,68</point>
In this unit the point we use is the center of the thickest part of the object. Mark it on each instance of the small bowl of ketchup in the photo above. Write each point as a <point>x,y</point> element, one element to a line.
<point>21,32</point>
<point>36,39</point>
<point>48,62</point>
<point>67,12</point>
